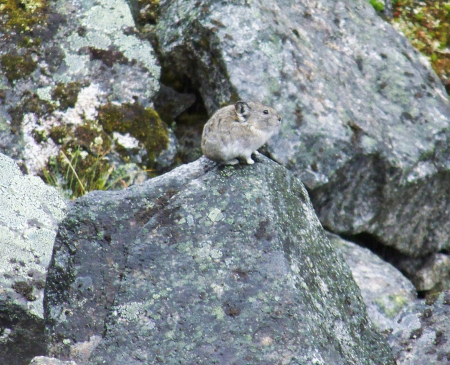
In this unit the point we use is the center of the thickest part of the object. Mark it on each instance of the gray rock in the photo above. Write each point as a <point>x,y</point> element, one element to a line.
<point>422,333</point>
<point>29,216</point>
<point>171,104</point>
<point>430,274</point>
<point>366,120</point>
<point>388,11</point>
<point>90,57</point>
<point>166,157</point>
<point>384,289</point>
<point>206,264</point>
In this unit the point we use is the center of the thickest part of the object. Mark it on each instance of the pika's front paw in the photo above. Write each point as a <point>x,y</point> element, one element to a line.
<point>250,161</point>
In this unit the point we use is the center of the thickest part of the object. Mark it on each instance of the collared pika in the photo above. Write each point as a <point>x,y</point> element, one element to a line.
<point>237,131</point>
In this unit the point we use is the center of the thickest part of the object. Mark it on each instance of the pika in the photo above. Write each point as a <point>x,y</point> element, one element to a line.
<point>237,131</point>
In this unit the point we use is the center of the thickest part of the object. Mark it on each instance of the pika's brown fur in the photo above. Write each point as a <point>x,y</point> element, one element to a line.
<point>236,131</point>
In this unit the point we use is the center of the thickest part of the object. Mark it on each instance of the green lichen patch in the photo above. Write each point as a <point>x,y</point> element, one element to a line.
<point>22,15</point>
<point>144,124</point>
<point>17,66</point>
<point>67,94</point>
<point>427,25</point>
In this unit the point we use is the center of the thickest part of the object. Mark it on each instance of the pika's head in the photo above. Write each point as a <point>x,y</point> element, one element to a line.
<point>259,116</point>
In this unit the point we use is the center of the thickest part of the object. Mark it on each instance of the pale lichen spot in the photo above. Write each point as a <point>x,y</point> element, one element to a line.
<point>190,220</point>
<point>216,254</point>
<point>266,341</point>
<point>169,335</point>
<point>218,313</point>
<point>217,289</point>
<point>215,215</point>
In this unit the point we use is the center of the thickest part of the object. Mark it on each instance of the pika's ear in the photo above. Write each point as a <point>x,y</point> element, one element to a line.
<point>242,110</point>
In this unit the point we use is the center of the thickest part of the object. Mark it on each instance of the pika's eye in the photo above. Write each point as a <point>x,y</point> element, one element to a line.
<point>266,112</point>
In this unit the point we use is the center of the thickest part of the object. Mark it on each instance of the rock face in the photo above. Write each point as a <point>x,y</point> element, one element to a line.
<point>206,264</point>
<point>29,216</point>
<point>366,121</point>
<point>422,332</point>
<point>384,289</point>
<point>83,86</point>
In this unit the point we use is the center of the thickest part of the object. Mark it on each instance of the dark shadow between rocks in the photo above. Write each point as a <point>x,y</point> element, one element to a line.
<point>408,266</point>
<point>21,336</point>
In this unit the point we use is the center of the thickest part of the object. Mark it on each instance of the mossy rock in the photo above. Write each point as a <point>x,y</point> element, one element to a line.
<point>144,124</point>
<point>17,66</point>
<point>22,15</point>
<point>67,94</point>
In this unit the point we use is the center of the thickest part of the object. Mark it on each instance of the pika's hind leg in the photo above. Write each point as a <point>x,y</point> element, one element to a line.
<point>231,162</point>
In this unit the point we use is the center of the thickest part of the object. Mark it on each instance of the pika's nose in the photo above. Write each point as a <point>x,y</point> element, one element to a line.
<point>279,117</point>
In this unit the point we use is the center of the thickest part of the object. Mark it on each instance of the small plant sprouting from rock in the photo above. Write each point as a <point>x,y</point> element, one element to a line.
<point>83,164</point>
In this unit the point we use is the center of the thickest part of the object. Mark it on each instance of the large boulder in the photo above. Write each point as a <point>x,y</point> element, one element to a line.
<point>205,264</point>
<point>29,215</point>
<point>365,119</point>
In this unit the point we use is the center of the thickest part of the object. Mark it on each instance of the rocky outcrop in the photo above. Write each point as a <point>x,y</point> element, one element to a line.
<point>385,291</point>
<point>205,264</point>
<point>29,216</point>
<point>366,120</point>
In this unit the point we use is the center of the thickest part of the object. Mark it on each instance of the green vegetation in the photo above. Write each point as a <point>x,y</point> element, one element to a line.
<point>82,164</point>
<point>67,94</point>
<point>144,124</point>
<point>427,25</point>
<point>149,12</point>
<point>22,15</point>
<point>17,66</point>
<point>377,5</point>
